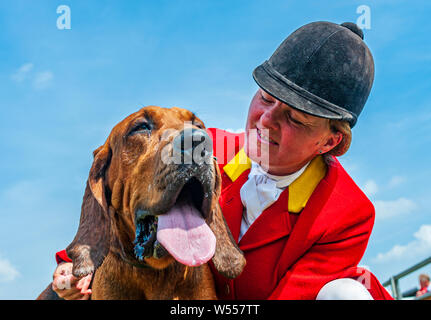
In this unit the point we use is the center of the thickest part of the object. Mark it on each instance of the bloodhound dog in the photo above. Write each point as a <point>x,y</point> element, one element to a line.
<point>150,218</point>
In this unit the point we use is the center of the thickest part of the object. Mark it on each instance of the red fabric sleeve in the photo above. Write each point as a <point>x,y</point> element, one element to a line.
<point>305,279</point>
<point>369,280</point>
<point>312,271</point>
<point>336,255</point>
<point>61,256</point>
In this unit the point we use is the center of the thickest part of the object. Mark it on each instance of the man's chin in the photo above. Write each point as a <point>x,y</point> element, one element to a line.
<point>260,153</point>
<point>261,160</point>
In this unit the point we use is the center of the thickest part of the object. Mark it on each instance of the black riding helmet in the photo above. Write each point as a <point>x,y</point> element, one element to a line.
<point>323,69</point>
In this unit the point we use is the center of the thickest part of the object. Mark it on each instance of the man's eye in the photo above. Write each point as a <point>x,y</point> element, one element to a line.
<point>297,122</point>
<point>289,118</point>
<point>265,99</point>
<point>142,127</point>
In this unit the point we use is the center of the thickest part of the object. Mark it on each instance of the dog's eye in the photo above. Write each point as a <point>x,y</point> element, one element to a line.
<point>141,127</point>
<point>200,126</point>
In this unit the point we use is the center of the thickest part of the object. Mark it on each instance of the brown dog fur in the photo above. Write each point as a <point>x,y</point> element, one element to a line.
<point>127,174</point>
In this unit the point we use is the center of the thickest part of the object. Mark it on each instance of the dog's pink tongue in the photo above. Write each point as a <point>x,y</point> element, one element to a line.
<point>183,232</point>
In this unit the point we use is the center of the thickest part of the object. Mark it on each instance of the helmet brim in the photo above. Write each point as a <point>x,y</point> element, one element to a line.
<point>296,97</point>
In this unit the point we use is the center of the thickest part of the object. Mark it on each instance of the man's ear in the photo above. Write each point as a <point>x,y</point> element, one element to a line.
<point>333,140</point>
<point>91,243</point>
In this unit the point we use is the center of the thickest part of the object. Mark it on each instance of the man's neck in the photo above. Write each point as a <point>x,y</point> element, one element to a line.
<point>285,171</point>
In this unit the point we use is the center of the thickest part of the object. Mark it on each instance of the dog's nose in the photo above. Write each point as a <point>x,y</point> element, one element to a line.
<point>194,145</point>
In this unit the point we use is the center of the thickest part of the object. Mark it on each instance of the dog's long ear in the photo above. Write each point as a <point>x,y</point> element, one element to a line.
<point>228,258</point>
<point>91,242</point>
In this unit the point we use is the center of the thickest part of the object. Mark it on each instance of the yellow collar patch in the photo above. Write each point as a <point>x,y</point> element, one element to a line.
<point>237,165</point>
<point>299,191</point>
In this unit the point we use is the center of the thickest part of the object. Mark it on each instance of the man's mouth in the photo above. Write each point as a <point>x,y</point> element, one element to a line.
<point>261,136</point>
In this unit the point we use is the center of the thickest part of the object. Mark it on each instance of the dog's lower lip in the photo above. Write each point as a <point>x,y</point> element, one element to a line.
<point>145,236</point>
<point>192,190</point>
<point>141,214</point>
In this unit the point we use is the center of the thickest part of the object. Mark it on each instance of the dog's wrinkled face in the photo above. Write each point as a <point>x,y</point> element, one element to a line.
<point>152,197</point>
<point>163,180</point>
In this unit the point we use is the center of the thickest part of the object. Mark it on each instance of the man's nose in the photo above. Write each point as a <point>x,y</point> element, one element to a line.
<point>272,116</point>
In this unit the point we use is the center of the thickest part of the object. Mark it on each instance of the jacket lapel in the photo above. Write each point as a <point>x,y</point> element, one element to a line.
<point>272,224</point>
<point>231,205</point>
<point>306,230</point>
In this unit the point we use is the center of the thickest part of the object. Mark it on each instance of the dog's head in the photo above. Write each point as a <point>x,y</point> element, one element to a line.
<point>152,197</point>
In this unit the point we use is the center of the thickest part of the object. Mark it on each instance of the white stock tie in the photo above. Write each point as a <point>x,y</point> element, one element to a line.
<point>260,191</point>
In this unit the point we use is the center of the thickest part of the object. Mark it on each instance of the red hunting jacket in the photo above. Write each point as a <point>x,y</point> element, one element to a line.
<point>317,230</point>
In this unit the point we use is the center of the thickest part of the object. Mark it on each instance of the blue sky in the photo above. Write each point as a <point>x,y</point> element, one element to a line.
<point>61,92</point>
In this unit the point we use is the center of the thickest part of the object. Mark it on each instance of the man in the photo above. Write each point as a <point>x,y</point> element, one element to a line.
<point>424,281</point>
<point>301,221</point>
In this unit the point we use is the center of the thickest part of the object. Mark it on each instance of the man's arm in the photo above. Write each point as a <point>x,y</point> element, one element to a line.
<point>336,255</point>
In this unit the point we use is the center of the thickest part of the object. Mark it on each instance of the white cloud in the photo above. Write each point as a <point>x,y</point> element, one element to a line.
<point>367,267</point>
<point>235,130</point>
<point>396,181</point>
<point>420,247</point>
<point>40,80</point>
<point>22,73</point>
<point>43,79</point>
<point>370,188</point>
<point>393,208</point>
<point>7,271</point>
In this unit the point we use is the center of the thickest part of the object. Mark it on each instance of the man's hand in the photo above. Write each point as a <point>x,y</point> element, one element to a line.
<point>69,287</point>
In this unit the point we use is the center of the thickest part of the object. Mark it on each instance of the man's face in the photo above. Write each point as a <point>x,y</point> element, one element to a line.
<point>424,282</point>
<point>290,137</point>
